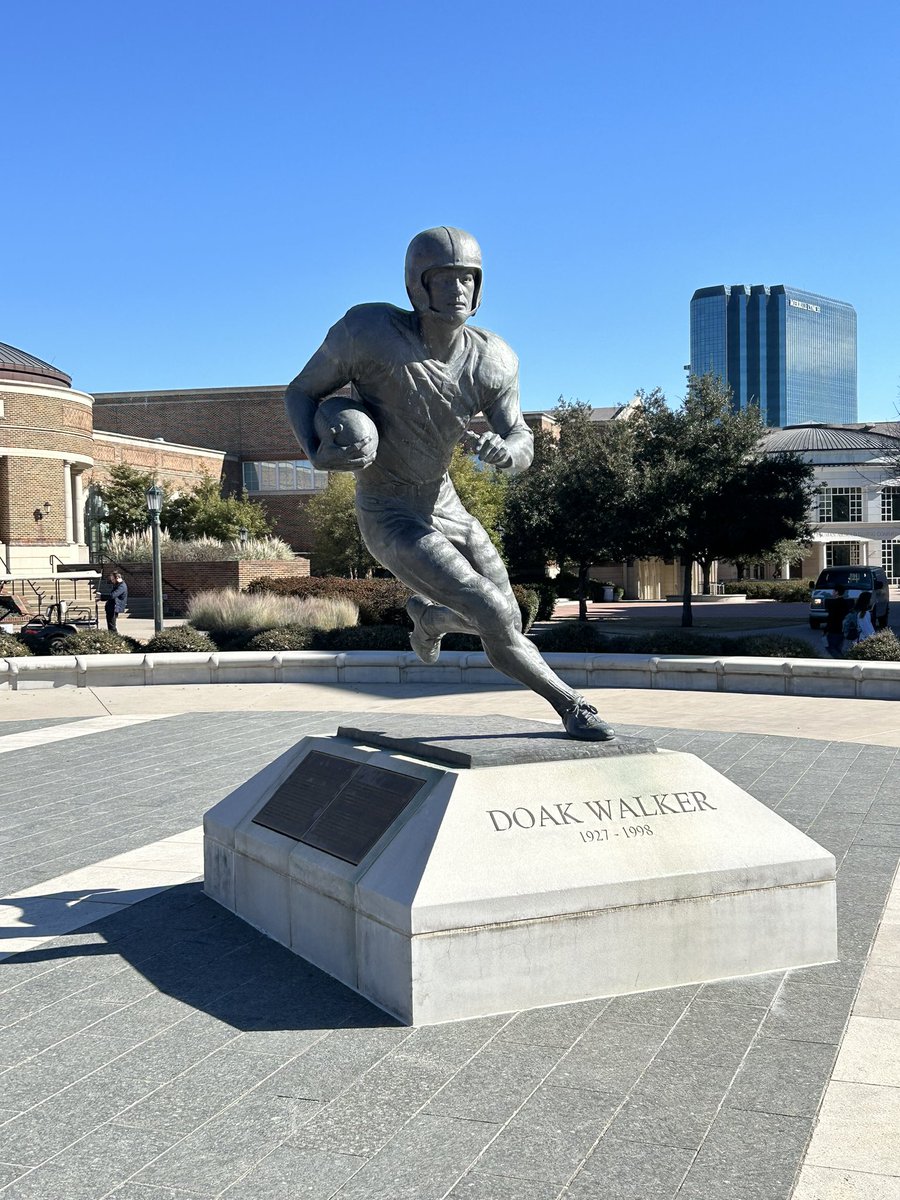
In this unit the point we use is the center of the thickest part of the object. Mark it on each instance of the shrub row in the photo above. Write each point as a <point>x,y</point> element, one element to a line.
<point>579,637</point>
<point>880,647</point>
<point>380,601</point>
<point>787,591</point>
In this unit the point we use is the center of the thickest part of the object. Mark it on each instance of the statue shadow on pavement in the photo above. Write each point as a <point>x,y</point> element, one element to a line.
<point>190,948</point>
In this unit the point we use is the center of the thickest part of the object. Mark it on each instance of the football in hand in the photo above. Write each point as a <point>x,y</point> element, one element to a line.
<point>345,422</point>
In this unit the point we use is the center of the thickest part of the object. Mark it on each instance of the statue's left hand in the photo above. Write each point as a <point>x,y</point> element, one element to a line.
<point>490,448</point>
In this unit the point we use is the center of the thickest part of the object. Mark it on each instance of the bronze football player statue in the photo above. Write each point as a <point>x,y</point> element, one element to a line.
<point>419,377</point>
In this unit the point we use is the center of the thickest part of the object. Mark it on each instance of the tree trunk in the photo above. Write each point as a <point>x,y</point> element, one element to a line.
<point>687,616</point>
<point>706,568</point>
<point>582,590</point>
<point>740,571</point>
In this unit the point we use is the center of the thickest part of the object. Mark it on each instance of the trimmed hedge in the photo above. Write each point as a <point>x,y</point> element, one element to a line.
<point>97,641</point>
<point>880,647</point>
<point>380,601</point>
<point>181,639</point>
<point>580,637</point>
<point>786,591</point>
<point>285,637</point>
<point>13,647</point>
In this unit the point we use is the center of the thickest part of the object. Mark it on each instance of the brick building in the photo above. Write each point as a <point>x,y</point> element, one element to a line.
<point>51,454</point>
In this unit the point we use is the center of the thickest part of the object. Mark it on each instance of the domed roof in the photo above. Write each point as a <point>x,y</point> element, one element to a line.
<point>16,364</point>
<point>799,438</point>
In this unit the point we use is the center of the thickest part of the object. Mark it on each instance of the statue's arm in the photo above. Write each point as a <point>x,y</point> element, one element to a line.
<point>511,445</point>
<point>321,377</point>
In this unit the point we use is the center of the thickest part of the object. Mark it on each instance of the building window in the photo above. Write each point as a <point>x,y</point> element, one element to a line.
<point>890,504</point>
<point>890,558</point>
<point>842,554</point>
<point>840,504</point>
<point>296,476</point>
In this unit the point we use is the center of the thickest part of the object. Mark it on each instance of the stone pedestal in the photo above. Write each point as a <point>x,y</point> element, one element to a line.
<point>454,868</point>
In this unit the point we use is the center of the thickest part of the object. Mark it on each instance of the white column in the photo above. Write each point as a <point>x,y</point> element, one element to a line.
<point>78,507</point>
<point>67,496</point>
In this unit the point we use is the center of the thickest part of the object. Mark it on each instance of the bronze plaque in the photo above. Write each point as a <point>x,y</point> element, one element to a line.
<point>338,806</point>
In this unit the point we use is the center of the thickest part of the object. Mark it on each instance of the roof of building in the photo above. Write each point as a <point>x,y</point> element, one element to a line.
<point>16,364</point>
<point>799,438</point>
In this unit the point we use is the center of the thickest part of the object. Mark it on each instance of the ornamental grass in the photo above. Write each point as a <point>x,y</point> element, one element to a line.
<point>227,611</point>
<point>138,548</point>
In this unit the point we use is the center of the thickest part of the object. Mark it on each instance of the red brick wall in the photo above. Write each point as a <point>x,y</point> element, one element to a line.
<point>248,422</point>
<point>182,579</point>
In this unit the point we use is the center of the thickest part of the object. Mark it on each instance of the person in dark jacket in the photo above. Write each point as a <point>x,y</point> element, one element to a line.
<point>116,600</point>
<point>836,608</point>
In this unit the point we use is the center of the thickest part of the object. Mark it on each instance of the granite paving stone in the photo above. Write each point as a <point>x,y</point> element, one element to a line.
<point>140,1191</point>
<point>9,1172</point>
<point>494,1084</point>
<point>163,1056</point>
<point>673,1103</point>
<point>37,1078</point>
<point>550,1135</point>
<point>222,1151</point>
<point>717,1033</point>
<point>41,1132</point>
<point>291,1174</point>
<point>479,1185</point>
<point>422,1162</point>
<point>785,1077</point>
<point>335,1062</point>
<point>808,1013</point>
<point>560,1025</point>
<point>190,1099</point>
<point>90,1167</point>
<point>747,1156</point>
<point>619,1169</point>
<point>663,1007</point>
<point>756,991</point>
<point>612,1060</point>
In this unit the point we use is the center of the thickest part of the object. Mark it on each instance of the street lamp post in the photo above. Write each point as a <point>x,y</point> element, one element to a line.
<point>154,507</point>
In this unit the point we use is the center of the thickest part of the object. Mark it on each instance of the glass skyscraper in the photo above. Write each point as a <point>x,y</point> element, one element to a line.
<point>791,352</point>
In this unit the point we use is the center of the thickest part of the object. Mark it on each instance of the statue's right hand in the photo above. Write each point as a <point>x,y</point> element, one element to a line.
<point>355,456</point>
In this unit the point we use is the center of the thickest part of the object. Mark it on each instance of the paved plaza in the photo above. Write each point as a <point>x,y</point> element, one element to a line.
<point>154,1047</point>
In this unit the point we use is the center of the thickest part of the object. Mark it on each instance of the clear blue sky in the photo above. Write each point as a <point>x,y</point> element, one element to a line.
<point>195,190</point>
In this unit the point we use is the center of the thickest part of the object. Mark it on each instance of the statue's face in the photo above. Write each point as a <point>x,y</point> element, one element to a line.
<point>451,291</point>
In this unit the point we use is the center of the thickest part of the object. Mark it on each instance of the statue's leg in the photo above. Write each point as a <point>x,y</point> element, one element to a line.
<point>469,589</point>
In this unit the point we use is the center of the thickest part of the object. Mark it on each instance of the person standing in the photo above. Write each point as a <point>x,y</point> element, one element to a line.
<point>880,605</point>
<point>836,608</point>
<point>863,606</point>
<point>116,600</point>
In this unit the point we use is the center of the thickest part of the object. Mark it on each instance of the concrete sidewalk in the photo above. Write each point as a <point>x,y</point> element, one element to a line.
<point>156,1047</point>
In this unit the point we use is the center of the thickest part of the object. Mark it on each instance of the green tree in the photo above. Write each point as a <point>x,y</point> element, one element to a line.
<point>205,512</point>
<point>124,494</point>
<point>577,503</point>
<point>482,491</point>
<point>708,491</point>
<point>339,548</point>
